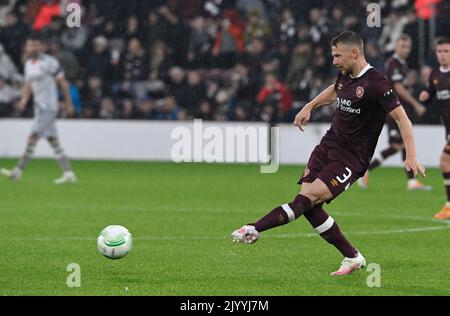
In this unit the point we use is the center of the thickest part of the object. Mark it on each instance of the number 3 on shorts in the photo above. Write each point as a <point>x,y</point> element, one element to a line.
<point>345,177</point>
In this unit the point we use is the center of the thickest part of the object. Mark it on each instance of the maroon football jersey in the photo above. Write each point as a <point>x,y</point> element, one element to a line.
<point>362,105</point>
<point>439,88</point>
<point>396,70</point>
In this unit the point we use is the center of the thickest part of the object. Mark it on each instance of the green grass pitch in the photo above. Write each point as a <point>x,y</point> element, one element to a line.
<point>181,217</point>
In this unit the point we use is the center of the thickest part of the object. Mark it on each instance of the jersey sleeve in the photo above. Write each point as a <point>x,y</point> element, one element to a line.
<point>393,72</point>
<point>53,68</point>
<point>383,93</point>
<point>431,89</point>
<point>26,72</point>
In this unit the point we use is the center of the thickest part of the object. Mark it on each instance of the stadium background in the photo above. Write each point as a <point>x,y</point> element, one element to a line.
<point>154,61</point>
<point>209,59</point>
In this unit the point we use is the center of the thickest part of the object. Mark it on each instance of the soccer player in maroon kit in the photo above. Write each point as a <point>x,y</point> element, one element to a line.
<point>396,70</point>
<point>364,98</point>
<point>439,88</point>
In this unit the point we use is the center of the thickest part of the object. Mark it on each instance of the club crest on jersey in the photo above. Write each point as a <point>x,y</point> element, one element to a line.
<point>340,86</point>
<point>359,91</point>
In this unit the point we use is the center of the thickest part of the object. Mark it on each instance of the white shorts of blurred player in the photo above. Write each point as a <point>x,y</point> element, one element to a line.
<point>44,124</point>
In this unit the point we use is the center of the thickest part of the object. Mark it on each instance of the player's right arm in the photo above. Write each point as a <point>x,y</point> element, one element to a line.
<point>382,92</point>
<point>430,92</point>
<point>406,130</point>
<point>405,95</point>
<point>26,94</point>
<point>327,96</point>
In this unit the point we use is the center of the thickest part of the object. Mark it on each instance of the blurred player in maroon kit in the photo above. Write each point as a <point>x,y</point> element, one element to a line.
<point>396,70</point>
<point>364,98</point>
<point>439,88</point>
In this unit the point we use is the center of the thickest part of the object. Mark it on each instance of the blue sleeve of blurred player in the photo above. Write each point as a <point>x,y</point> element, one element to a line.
<point>76,100</point>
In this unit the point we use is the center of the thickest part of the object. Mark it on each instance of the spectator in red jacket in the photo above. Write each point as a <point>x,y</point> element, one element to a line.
<point>46,13</point>
<point>232,26</point>
<point>276,99</point>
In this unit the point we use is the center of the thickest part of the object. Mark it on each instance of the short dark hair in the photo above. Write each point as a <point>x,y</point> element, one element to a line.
<point>404,37</point>
<point>348,38</point>
<point>442,40</point>
<point>35,37</point>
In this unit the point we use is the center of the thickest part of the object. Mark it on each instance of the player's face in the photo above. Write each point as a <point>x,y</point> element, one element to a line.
<point>403,48</point>
<point>33,48</point>
<point>443,54</point>
<point>343,58</point>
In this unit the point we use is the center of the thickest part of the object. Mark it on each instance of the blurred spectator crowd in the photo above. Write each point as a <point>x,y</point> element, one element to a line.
<point>237,60</point>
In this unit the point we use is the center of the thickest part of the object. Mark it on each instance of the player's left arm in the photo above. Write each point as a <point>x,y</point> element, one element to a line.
<point>429,92</point>
<point>327,96</point>
<point>405,95</point>
<point>65,87</point>
<point>406,130</point>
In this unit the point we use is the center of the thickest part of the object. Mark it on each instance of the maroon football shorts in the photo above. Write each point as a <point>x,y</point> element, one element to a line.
<point>328,164</point>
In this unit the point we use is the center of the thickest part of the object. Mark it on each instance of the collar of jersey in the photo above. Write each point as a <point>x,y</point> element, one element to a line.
<point>444,70</point>
<point>39,57</point>
<point>401,60</point>
<point>362,72</point>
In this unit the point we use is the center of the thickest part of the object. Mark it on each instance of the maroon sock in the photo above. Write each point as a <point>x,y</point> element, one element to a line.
<point>375,163</point>
<point>446,176</point>
<point>329,230</point>
<point>284,214</point>
<point>409,174</point>
<point>388,152</point>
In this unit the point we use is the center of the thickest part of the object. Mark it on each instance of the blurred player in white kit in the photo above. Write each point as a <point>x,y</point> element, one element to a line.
<point>42,74</point>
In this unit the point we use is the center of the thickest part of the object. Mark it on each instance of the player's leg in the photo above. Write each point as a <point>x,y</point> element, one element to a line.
<point>395,145</point>
<point>445,168</point>
<point>49,132</point>
<point>385,154</point>
<point>338,176</point>
<point>16,173</point>
<point>322,181</point>
<point>288,212</point>
<point>310,195</point>
<point>64,163</point>
<point>329,230</point>
<point>40,125</point>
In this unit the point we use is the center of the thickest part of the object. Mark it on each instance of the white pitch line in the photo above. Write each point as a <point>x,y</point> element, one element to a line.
<point>172,238</point>
<point>379,232</point>
<point>290,235</point>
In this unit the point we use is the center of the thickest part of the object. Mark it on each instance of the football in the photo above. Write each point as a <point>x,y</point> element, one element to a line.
<point>114,242</point>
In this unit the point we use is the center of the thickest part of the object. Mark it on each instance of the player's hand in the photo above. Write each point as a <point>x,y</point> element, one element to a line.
<point>424,96</point>
<point>302,118</point>
<point>420,110</point>
<point>70,110</point>
<point>411,164</point>
<point>21,106</point>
